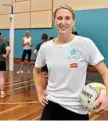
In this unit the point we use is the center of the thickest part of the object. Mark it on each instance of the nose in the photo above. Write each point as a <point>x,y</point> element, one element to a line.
<point>63,21</point>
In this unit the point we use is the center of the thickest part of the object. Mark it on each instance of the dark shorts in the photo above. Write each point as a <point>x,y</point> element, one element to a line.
<point>2,66</point>
<point>26,53</point>
<point>54,111</point>
<point>44,69</point>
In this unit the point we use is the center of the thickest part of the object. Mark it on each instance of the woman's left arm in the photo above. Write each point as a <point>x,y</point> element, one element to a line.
<point>103,103</point>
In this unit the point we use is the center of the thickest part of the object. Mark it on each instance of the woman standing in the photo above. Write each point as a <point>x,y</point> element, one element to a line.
<point>67,58</point>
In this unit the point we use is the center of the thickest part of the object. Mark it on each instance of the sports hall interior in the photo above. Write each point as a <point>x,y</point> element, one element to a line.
<point>36,16</point>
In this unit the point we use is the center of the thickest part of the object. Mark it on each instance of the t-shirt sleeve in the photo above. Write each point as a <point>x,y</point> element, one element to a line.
<point>5,44</point>
<point>38,46</point>
<point>40,59</point>
<point>93,55</point>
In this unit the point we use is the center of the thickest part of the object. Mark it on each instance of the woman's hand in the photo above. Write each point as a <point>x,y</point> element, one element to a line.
<point>102,105</point>
<point>42,98</point>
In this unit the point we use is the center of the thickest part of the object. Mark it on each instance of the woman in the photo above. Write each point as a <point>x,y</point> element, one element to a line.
<point>67,58</point>
<point>27,44</point>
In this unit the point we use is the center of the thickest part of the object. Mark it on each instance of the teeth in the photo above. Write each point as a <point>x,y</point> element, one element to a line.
<point>62,27</point>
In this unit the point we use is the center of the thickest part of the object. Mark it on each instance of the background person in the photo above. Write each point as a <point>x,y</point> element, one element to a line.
<point>5,39</point>
<point>74,31</point>
<point>27,44</point>
<point>50,38</point>
<point>4,53</point>
<point>7,60</point>
<point>44,38</point>
<point>44,70</point>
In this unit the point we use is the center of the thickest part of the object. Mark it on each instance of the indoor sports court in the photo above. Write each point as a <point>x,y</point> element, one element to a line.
<point>21,101</point>
<point>36,17</point>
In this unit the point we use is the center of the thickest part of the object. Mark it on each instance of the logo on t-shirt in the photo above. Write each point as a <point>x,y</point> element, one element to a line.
<point>73,65</point>
<point>73,58</point>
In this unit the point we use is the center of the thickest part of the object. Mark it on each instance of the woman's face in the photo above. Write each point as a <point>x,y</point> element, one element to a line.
<point>64,21</point>
<point>27,34</point>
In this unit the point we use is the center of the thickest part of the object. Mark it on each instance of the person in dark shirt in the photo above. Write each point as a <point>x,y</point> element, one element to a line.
<point>50,38</point>
<point>74,31</point>
<point>44,69</point>
<point>44,39</point>
<point>4,53</point>
<point>5,39</point>
<point>7,60</point>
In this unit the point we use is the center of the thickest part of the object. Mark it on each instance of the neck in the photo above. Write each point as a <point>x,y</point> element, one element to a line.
<point>64,38</point>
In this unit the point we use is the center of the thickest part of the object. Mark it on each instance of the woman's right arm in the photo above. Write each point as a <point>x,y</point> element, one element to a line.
<point>39,84</point>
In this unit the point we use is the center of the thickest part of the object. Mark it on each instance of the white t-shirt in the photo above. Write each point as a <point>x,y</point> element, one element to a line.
<point>67,64</point>
<point>27,47</point>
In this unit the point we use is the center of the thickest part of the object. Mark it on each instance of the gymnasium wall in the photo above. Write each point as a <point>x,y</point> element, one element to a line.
<point>91,21</point>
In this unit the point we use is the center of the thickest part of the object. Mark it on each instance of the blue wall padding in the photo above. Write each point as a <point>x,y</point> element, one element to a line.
<point>90,23</point>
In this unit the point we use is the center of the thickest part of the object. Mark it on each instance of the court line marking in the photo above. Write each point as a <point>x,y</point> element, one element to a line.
<point>19,118</point>
<point>18,82</point>
<point>94,117</point>
<point>16,76</point>
<point>34,102</point>
<point>31,80</point>
<point>19,87</point>
<point>36,118</point>
<point>19,103</point>
<point>10,109</point>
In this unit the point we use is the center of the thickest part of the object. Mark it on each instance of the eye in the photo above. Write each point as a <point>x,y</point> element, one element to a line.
<point>59,18</point>
<point>67,18</point>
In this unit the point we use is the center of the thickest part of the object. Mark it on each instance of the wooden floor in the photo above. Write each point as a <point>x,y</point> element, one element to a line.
<point>21,101</point>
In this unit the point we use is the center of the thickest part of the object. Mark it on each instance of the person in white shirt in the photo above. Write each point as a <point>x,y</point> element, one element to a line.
<point>27,51</point>
<point>67,58</point>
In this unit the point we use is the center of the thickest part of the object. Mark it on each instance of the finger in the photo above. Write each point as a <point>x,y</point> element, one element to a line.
<point>98,111</point>
<point>103,113</point>
<point>45,101</point>
<point>98,103</point>
<point>42,102</point>
<point>98,107</point>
